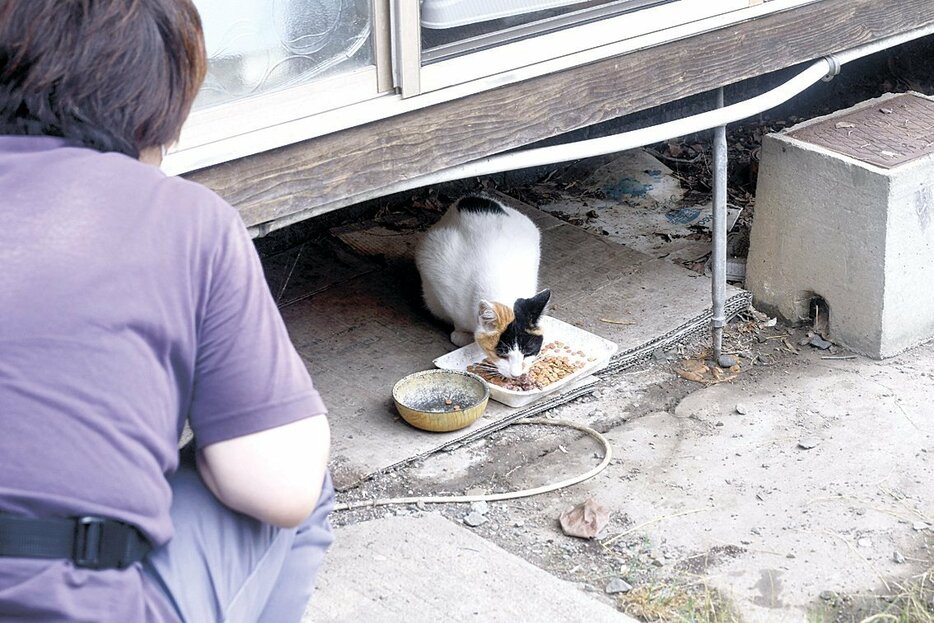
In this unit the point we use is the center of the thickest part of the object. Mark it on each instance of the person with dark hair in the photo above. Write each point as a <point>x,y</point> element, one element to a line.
<point>131,302</point>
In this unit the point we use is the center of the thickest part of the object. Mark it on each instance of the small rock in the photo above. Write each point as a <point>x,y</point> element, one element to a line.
<point>658,563</point>
<point>864,542</point>
<point>617,585</point>
<point>659,354</point>
<point>819,342</point>
<point>860,511</point>
<point>897,557</point>
<point>480,507</point>
<point>421,506</point>
<point>519,523</point>
<point>475,491</point>
<point>790,555</point>
<point>807,443</point>
<point>918,526</point>
<point>741,408</point>
<point>726,361</point>
<point>474,519</point>
<point>719,423</point>
<point>827,595</point>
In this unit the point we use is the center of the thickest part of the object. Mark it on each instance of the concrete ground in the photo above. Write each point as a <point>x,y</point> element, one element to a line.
<point>800,490</point>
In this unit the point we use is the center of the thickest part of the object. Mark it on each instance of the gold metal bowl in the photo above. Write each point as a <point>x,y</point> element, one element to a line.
<point>441,400</point>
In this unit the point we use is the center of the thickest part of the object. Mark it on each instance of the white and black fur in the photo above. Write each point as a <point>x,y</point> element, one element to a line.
<point>479,271</point>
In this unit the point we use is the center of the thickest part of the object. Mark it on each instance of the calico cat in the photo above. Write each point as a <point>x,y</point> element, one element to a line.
<point>479,271</point>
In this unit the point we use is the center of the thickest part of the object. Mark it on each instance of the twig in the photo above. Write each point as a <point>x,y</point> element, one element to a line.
<point>913,514</point>
<point>288,277</point>
<point>617,537</point>
<point>865,560</point>
<point>609,321</point>
<point>839,357</point>
<point>673,159</point>
<point>901,501</point>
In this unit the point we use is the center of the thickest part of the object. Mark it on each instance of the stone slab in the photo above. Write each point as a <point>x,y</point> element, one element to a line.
<point>427,569</point>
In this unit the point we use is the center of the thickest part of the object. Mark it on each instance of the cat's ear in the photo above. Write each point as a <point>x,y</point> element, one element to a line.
<point>487,314</point>
<point>532,309</point>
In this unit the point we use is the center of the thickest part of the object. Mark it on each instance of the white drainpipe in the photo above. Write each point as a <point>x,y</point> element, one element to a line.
<point>826,67</point>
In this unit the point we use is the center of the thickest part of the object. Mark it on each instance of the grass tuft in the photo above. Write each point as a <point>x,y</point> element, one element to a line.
<point>678,603</point>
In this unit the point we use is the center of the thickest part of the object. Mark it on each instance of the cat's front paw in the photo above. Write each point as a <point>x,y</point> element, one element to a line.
<point>461,338</point>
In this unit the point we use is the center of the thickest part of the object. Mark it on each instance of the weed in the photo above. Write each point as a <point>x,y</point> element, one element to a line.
<point>911,601</point>
<point>678,603</point>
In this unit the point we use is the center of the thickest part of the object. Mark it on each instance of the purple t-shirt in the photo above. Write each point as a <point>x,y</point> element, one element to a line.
<point>129,301</point>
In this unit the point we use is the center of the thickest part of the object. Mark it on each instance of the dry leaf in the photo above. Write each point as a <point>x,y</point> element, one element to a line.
<point>694,365</point>
<point>693,370</point>
<point>586,520</point>
<point>691,376</point>
<point>610,321</point>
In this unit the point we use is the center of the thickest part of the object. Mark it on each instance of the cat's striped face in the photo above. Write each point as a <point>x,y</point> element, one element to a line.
<point>510,336</point>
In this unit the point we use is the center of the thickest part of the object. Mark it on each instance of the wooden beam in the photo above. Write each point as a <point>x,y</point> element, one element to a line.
<point>328,172</point>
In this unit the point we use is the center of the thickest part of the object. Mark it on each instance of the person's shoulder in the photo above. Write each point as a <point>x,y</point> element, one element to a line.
<point>165,191</point>
<point>198,200</point>
<point>182,201</point>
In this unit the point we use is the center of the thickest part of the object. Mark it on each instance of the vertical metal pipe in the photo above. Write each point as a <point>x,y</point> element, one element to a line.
<point>718,229</point>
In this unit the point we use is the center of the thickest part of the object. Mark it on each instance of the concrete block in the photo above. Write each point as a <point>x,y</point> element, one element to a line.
<point>834,220</point>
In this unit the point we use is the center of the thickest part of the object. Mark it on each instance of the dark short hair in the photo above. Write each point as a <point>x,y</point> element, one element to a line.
<point>112,75</point>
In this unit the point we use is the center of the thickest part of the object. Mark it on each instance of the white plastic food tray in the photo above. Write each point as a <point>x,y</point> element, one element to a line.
<point>451,13</point>
<point>596,355</point>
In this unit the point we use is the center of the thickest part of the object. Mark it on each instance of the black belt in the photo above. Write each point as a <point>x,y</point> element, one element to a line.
<point>90,542</point>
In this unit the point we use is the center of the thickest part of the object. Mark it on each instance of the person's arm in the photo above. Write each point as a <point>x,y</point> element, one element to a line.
<point>260,425</point>
<point>274,475</point>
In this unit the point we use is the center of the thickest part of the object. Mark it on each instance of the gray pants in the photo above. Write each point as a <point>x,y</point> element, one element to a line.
<point>224,566</point>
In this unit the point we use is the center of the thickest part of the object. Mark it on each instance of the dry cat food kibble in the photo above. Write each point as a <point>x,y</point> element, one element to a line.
<point>547,370</point>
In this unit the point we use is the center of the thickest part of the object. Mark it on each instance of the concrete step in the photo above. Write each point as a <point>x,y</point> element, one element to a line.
<point>427,569</point>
